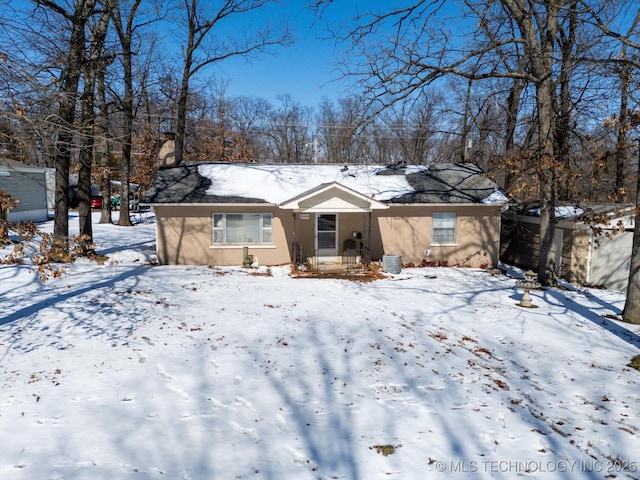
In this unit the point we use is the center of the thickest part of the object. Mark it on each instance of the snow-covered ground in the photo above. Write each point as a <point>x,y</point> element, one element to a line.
<point>131,370</point>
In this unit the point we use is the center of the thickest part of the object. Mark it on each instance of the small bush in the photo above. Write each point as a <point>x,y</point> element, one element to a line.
<point>45,253</point>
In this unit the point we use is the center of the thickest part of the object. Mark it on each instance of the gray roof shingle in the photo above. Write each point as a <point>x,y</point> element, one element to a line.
<point>448,183</point>
<point>184,184</point>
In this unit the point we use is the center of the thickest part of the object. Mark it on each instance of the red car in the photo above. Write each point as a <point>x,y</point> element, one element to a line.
<point>96,202</point>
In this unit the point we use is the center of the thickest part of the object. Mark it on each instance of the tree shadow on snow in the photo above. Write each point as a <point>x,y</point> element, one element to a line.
<point>598,316</point>
<point>58,297</point>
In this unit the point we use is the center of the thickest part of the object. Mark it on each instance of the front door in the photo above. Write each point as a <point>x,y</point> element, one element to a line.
<point>327,237</point>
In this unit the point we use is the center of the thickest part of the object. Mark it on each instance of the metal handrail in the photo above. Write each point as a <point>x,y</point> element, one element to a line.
<point>353,258</point>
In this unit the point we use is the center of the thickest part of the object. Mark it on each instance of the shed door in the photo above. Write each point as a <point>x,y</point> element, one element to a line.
<point>327,237</point>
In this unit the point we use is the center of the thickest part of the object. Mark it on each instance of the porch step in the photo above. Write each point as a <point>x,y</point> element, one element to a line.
<point>332,267</point>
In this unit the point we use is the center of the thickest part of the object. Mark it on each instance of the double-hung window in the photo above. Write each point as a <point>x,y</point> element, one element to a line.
<point>242,228</point>
<point>444,228</point>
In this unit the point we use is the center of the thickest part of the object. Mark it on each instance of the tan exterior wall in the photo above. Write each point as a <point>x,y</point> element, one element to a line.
<point>407,231</point>
<point>184,236</point>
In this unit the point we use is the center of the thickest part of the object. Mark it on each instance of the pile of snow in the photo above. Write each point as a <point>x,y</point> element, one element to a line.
<point>130,370</point>
<point>560,212</point>
<point>497,197</point>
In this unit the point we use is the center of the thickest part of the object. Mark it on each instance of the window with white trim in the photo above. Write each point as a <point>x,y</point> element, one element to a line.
<point>444,228</point>
<point>242,228</point>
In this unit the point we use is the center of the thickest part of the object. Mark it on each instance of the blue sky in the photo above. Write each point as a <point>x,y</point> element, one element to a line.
<point>305,70</point>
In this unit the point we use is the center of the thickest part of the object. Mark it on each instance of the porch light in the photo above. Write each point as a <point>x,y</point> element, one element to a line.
<point>528,283</point>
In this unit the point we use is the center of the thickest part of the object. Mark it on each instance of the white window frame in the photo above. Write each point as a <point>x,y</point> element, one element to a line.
<point>263,229</point>
<point>445,223</point>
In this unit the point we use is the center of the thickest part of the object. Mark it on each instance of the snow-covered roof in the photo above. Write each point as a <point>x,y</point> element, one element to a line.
<point>561,212</point>
<point>605,216</point>
<point>279,183</point>
<point>276,184</point>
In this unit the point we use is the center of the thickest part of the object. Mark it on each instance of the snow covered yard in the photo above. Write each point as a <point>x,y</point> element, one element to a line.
<point>130,370</point>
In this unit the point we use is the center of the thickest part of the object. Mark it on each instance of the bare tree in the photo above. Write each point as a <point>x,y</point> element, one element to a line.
<point>624,69</point>
<point>91,69</point>
<point>289,131</point>
<point>31,60</point>
<point>103,149</point>
<point>203,48</point>
<point>341,128</point>
<point>510,162</point>
<point>249,118</point>
<point>627,40</point>
<point>124,20</point>
<point>412,126</point>
<point>213,136</point>
<point>76,17</point>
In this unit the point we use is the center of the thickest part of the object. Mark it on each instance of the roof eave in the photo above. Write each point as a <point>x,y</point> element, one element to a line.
<point>208,204</point>
<point>294,202</point>
<point>449,204</point>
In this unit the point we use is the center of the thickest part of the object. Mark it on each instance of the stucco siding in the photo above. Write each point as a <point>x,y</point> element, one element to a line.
<point>350,223</point>
<point>185,236</point>
<point>407,231</point>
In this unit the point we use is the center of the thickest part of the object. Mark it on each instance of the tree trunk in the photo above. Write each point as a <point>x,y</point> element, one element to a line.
<point>547,268</point>
<point>539,46</point>
<point>86,161</point>
<point>631,312</point>
<point>181,123</point>
<point>563,124</point>
<point>61,205</point>
<point>465,140</point>
<point>88,123</point>
<point>623,126</point>
<point>125,219</point>
<point>125,34</point>
<point>183,96</point>
<point>62,160</point>
<point>513,108</point>
<point>102,147</point>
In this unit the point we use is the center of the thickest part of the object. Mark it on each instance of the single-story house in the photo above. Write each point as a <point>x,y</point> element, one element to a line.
<point>208,213</point>
<point>28,185</point>
<point>593,243</point>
